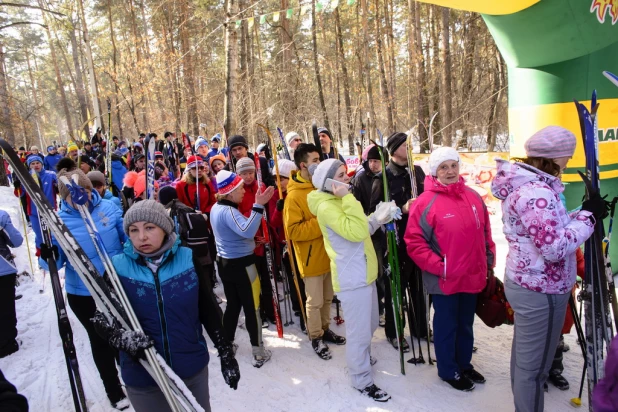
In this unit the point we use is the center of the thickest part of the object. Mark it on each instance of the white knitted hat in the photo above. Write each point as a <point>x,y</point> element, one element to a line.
<point>290,136</point>
<point>440,155</point>
<point>285,167</point>
<point>325,170</point>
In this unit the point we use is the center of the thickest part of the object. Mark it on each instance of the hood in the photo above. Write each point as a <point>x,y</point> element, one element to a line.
<point>96,199</point>
<point>315,198</point>
<point>433,185</point>
<point>511,176</point>
<point>294,185</point>
<point>132,254</point>
<point>117,163</point>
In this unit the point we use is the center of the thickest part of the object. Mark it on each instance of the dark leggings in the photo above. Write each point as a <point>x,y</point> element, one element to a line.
<point>104,355</point>
<point>241,285</point>
<point>8,318</point>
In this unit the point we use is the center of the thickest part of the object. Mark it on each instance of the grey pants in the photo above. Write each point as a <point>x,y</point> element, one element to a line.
<point>151,399</point>
<point>538,323</point>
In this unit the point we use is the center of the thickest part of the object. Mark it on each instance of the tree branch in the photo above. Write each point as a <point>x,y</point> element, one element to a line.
<point>18,23</point>
<point>26,6</point>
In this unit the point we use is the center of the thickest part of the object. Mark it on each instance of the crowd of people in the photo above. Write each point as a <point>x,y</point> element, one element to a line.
<point>203,225</point>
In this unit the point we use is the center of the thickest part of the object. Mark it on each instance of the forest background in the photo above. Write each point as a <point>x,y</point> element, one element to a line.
<point>198,66</point>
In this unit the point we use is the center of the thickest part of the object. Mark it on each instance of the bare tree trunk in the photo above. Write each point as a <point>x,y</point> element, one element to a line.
<point>346,83</point>
<point>80,88</point>
<point>422,109</point>
<point>469,38</point>
<point>371,124</point>
<point>316,66</point>
<point>7,121</point>
<point>35,95</point>
<point>433,68</point>
<point>245,96</point>
<point>390,41</point>
<point>492,127</point>
<point>188,70</point>
<point>384,85</point>
<point>115,69</point>
<point>446,94</point>
<point>92,74</point>
<point>231,47</point>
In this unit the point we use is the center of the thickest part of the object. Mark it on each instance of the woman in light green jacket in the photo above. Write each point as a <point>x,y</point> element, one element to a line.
<point>353,264</point>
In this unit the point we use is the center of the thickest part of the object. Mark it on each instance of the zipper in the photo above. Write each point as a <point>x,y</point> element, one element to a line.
<point>308,256</point>
<point>160,306</point>
<point>476,216</point>
<point>444,274</point>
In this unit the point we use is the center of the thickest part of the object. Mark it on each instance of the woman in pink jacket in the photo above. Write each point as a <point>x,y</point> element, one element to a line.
<point>448,236</point>
<point>541,265</point>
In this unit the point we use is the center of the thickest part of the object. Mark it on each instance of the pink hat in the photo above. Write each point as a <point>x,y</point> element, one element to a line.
<point>551,142</point>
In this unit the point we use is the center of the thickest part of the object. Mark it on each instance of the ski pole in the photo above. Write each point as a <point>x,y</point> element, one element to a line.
<point>23,219</point>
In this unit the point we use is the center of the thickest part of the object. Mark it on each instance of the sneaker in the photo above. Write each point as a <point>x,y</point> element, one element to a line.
<point>122,404</point>
<point>474,376</point>
<point>404,345</point>
<point>264,324</point>
<point>382,321</point>
<point>321,348</point>
<point>375,393</point>
<point>9,349</point>
<point>461,383</point>
<point>372,360</point>
<point>260,356</point>
<point>331,337</point>
<point>558,381</point>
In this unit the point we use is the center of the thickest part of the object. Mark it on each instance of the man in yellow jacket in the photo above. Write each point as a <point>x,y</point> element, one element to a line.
<point>311,258</point>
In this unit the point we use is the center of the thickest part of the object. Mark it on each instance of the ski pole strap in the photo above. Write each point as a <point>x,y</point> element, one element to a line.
<point>390,227</point>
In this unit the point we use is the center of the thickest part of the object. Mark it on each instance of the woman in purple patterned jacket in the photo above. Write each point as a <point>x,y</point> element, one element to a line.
<point>541,263</point>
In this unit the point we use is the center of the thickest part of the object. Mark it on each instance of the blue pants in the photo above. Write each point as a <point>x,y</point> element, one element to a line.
<point>453,334</point>
<point>36,228</point>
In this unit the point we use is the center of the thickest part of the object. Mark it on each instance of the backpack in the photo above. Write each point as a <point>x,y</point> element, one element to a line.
<point>192,228</point>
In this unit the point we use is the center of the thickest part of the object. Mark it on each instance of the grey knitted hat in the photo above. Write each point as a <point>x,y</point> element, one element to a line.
<point>148,211</point>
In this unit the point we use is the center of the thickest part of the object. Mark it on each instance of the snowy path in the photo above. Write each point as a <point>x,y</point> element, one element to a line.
<point>295,379</point>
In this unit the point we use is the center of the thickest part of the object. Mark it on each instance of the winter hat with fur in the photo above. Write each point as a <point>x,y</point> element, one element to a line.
<point>440,155</point>
<point>551,142</point>
<point>244,164</point>
<point>285,167</point>
<point>148,211</point>
<point>325,170</point>
<point>83,181</point>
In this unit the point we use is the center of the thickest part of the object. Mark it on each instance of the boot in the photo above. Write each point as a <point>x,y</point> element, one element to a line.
<point>260,356</point>
<point>461,383</point>
<point>321,348</point>
<point>375,393</point>
<point>331,337</point>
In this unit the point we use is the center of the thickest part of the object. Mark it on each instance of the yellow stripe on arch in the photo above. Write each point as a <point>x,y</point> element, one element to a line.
<point>494,7</point>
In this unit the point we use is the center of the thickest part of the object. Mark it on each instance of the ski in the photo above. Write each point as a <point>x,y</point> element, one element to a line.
<point>150,144</point>
<point>316,140</point>
<point>106,299</point>
<point>64,325</point>
<point>108,147</point>
<point>283,143</point>
<point>393,264</point>
<point>268,250</point>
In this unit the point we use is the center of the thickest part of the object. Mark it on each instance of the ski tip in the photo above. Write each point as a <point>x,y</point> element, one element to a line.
<point>576,402</point>
<point>611,77</point>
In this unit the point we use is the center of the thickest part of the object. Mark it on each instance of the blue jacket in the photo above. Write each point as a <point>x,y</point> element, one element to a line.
<point>221,150</point>
<point>108,220</point>
<point>51,161</point>
<point>233,231</point>
<point>49,184</point>
<point>167,305</point>
<point>118,172</point>
<point>109,196</point>
<point>9,237</point>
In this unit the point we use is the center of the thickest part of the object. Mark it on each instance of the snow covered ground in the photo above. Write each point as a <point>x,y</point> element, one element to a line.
<point>295,379</point>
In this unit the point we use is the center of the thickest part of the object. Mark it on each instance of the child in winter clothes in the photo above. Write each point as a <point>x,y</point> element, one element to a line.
<point>156,272</point>
<point>541,264</point>
<point>9,237</point>
<point>234,236</point>
<point>187,187</point>
<point>347,239</point>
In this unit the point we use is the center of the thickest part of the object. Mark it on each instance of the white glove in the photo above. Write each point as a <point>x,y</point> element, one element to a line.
<point>386,211</point>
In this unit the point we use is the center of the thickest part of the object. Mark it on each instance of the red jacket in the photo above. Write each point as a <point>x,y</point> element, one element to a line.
<point>449,237</point>
<point>245,207</point>
<point>186,194</point>
<point>275,218</point>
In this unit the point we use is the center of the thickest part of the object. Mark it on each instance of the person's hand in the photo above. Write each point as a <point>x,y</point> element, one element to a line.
<point>260,240</point>
<point>48,252</point>
<point>340,190</point>
<point>261,198</point>
<point>387,211</point>
<point>132,342</point>
<point>280,204</point>
<point>490,287</point>
<point>406,207</point>
<point>597,205</point>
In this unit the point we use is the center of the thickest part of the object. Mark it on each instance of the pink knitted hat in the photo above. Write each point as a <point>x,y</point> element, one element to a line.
<point>551,142</point>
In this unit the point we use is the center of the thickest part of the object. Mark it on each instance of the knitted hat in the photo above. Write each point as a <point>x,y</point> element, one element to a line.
<point>325,131</point>
<point>87,143</point>
<point>137,181</point>
<point>244,164</point>
<point>237,140</point>
<point>441,154</point>
<point>138,157</point>
<point>290,137</point>
<point>50,148</point>
<point>158,154</point>
<point>260,148</point>
<point>72,147</point>
<point>167,194</point>
<point>83,181</point>
<point>200,142</point>
<point>33,148</point>
<point>227,182</point>
<point>325,170</point>
<point>138,144</point>
<point>194,161</point>
<point>285,167</point>
<point>372,152</point>
<point>96,177</point>
<point>33,158</point>
<point>22,148</point>
<point>551,142</point>
<point>394,141</point>
<point>148,211</point>
<point>216,157</point>
<point>216,138</point>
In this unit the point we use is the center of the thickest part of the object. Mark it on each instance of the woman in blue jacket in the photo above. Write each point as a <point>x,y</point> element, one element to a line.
<point>108,221</point>
<point>172,300</point>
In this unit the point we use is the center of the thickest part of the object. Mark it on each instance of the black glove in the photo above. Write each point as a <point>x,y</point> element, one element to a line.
<point>132,342</point>
<point>597,205</point>
<point>280,204</point>
<point>229,365</point>
<point>16,184</point>
<point>49,252</point>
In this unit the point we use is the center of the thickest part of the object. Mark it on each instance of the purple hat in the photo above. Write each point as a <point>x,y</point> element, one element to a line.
<point>551,142</point>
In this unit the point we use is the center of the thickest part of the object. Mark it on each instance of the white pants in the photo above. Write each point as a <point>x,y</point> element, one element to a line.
<point>360,307</point>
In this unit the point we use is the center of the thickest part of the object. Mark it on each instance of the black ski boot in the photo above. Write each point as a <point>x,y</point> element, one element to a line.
<point>461,383</point>
<point>404,345</point>
<point>375,393</point>
<point>321,349</point>
<point>558,381</point>
<point>331,337</point>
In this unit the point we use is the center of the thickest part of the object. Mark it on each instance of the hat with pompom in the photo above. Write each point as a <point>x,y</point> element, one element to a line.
<point>227,182</point>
